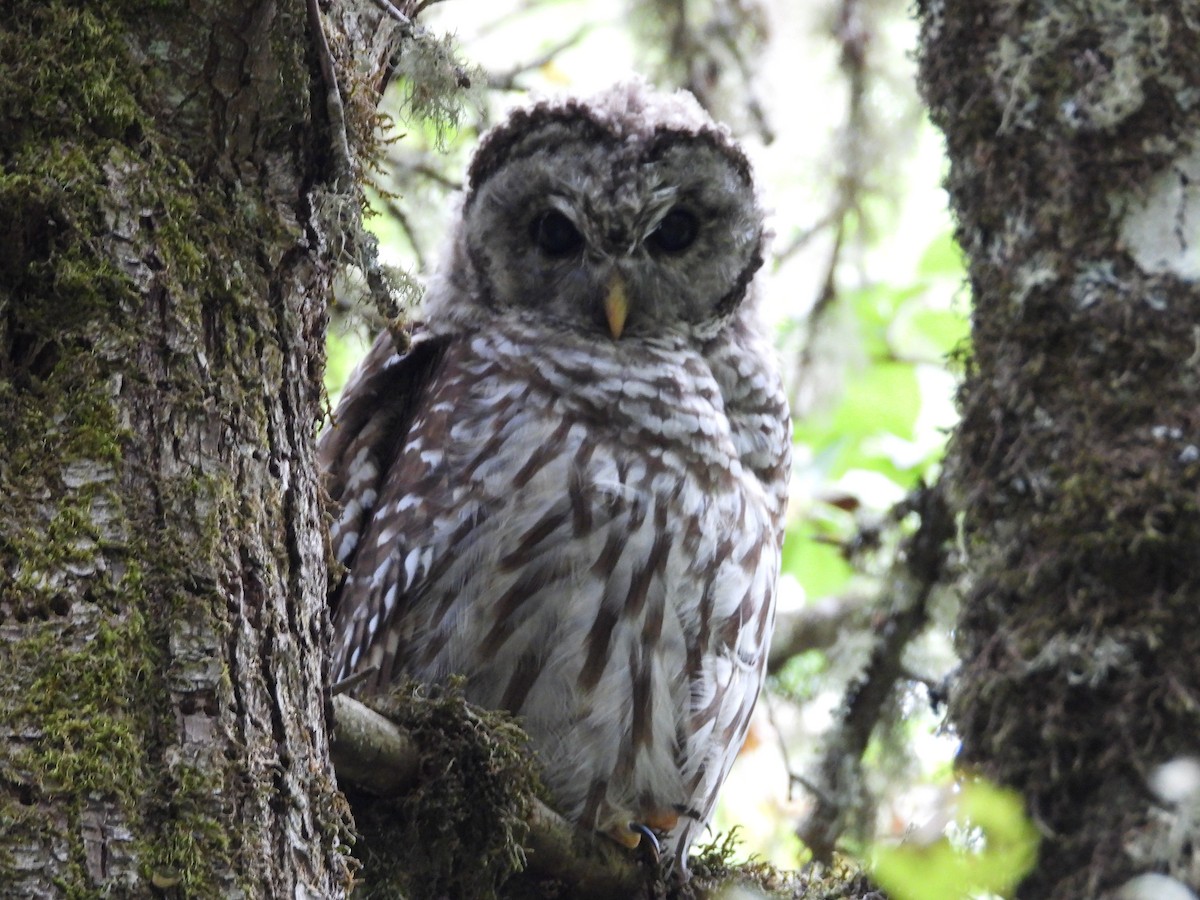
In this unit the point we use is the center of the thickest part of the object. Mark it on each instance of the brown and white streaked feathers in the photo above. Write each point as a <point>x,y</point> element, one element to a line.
<point>570,489</point>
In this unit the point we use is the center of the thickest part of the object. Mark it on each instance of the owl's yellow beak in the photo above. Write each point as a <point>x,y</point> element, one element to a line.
<point>616,306</point>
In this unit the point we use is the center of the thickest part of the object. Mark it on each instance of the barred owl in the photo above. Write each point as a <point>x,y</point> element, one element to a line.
<point>569,489</point>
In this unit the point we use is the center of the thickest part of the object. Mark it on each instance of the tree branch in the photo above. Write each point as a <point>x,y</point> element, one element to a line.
<point>919,568</point>
<point>375,755</point>
<point>507,81</point>
<point>815,627</point>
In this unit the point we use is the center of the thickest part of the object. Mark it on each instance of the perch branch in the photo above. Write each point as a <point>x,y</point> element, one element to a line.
<point>371,752</point>
<point>377,756</point>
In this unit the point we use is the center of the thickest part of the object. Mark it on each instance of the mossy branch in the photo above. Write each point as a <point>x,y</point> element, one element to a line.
<point>375,755</point>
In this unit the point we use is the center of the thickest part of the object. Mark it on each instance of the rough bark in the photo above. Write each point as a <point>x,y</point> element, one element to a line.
<point>1072,131</point>
<point>162,306</point>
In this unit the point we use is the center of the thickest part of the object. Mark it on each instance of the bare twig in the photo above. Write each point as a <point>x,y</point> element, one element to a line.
<point>402,163</point>
<point>917,570</point>
<point>491,26</point>
<point>423,5</point>
<point>348,684</point>
<point>506,81</point>
<point>768,700</point>
<point>405,22</point>
<point>396,211</point>
<point>801,240</point>
<point>335,111</point>
<point>440,178</point>
<point>854,37</point>
<point>815,627</point>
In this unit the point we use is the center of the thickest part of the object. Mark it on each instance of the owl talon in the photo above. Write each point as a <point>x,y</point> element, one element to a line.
<point>641,829</point>
<point>628,836</point>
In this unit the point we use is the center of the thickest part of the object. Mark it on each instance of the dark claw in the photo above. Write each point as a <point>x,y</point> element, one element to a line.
<point>645,830</point>
<point>353,681</point>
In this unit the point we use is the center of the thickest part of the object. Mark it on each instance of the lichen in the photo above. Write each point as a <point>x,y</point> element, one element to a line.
<point>1084,63</point>
<point>1074,467</point>
<point>1160,220</point>
<point>436,85</point>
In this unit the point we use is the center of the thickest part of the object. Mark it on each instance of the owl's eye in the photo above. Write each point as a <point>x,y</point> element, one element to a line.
<point>676,232</point>
<point>554,234</point>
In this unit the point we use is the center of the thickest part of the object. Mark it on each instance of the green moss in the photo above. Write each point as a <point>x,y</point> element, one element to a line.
<point>86,705</point>
<point>79,602</point>
<point>88,90</point>
<point>194,848</point>
<point>715,874</point>
<point>111,245</point>
<point>459,834</point>
<point>43,210</point>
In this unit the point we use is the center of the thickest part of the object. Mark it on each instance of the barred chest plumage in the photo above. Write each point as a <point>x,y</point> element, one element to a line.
<point>571,526</point>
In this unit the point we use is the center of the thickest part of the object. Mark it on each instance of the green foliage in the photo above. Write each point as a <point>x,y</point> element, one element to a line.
<point>898,330</point>
<point>813,553</point>
<point>878,439</point>
<point>1005,849</point>
<point>343,351</point>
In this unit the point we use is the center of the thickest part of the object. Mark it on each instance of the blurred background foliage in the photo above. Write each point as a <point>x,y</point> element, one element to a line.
<point>865,290</point>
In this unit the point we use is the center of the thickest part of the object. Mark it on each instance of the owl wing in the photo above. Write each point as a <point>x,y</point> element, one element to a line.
<point>757,408</point>
<point>733,651</point>
<point>369,428</point>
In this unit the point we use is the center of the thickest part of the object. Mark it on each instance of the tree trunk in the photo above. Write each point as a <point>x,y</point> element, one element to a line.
<point>1071,130</point>
<point>162,308</point>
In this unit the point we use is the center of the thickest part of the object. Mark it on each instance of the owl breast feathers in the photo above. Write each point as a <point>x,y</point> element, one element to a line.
<point>570,488</point>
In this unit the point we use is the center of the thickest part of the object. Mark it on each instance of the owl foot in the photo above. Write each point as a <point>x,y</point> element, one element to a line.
<point>630,835</point>
<point>661,819</point>
<point>651,837</point>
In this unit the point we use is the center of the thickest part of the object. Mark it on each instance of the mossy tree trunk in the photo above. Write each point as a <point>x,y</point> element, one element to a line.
<point>162,565</point>
<point>1072,131</point>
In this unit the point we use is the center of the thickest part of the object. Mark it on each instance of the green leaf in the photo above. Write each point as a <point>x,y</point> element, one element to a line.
<point>943,258</point>
<point>817,565</point>
<point>929,334</point>
<point>942,871</point>
<point>882,398</point>
<point>875,308</point>
<point>342,354</point>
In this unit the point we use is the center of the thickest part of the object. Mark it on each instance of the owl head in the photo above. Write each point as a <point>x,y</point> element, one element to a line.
<point>626,214</point>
